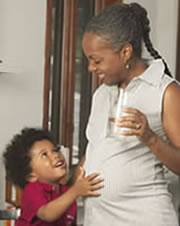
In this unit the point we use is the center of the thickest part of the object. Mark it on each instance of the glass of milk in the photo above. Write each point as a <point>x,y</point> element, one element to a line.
<point>116,112</point>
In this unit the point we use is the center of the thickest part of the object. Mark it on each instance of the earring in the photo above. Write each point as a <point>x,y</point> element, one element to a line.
<point>127,66</point>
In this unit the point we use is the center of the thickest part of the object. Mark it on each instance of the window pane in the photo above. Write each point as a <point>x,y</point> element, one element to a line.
<point>81,95</point>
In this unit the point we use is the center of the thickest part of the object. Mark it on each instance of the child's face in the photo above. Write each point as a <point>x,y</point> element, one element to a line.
<point>48,165</point>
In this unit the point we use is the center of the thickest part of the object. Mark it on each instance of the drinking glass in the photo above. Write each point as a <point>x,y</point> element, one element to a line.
<point>116,112</point>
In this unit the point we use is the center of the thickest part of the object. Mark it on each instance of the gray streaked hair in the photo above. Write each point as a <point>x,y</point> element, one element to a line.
<point>123,23</point>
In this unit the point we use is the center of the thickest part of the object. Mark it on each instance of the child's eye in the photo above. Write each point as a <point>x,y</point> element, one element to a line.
<point>44,154</point>
<point>97,61</point>
<point>56,149</point>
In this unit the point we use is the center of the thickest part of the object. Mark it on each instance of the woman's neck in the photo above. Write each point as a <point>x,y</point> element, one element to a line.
<point>137,67</point>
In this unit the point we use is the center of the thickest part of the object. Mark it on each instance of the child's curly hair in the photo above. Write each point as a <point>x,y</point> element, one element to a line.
<point>17,154</point>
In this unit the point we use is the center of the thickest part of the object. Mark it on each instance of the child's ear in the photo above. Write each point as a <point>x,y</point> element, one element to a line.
<point>32,178</point>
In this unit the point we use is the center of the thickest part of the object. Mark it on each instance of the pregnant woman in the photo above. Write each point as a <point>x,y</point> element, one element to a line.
<point>132,163</point>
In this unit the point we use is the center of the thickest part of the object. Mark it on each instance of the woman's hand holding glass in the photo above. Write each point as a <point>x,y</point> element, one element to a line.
<point>137,124</point>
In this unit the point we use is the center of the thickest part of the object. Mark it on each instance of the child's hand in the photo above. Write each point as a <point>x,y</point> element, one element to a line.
<point>87,185</point>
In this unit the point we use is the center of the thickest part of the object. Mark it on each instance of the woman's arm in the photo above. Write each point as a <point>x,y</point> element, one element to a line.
<point>169,154</point>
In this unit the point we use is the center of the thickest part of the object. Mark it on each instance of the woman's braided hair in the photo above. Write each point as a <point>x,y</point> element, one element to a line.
<point>121,24</point>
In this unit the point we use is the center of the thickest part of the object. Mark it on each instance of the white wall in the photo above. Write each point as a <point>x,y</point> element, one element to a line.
<point>163,15</point>
<point>22,41</point>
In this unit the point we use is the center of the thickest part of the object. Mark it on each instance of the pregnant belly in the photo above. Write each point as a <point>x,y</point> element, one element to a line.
<point>124,179</point>
<point>119,180</point>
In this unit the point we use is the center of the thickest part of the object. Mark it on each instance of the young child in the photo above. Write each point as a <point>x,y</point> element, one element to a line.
<point>34,163</point>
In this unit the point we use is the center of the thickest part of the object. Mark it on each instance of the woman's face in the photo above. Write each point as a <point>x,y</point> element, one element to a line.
<point>105,62</point>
